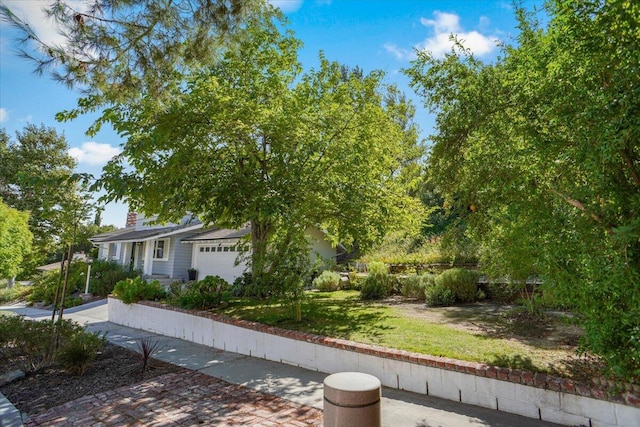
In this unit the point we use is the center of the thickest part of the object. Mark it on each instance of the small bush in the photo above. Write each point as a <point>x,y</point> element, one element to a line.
<point>15,293</point>
<point>32,342</point>
<point>377,267</point>
<point>439,296</point>
<point>79,350</point>
<point>44,286</point>
<point>463,283</point>
<point>133,290</point>
<point>414,286</point>
<point>355,281</point>
<point>105,274</point>
<point>246,286</point>
<point>376,286</point>
<point>327,281</point>
<point>203,294</point>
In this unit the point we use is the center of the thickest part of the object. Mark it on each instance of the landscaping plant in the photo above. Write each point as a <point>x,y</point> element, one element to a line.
<point>414,286</point>
<point>327,281</point>
<point>463,283</point>
<point>202,294</point>
<point>133,290</point>
<point>79,350</point>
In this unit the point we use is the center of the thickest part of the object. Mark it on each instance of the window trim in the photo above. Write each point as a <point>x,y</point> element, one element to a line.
<point>165,249</point>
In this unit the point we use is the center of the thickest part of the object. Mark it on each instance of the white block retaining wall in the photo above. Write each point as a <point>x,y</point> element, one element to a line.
<point>540,396</point>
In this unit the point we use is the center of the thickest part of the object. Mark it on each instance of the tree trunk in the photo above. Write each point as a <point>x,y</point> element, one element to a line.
<point>260,231</point>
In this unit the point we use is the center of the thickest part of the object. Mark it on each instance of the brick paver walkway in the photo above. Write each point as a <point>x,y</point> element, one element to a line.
<point>180,399</point>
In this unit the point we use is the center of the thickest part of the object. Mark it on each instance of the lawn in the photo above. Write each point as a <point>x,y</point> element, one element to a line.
<point>419,329</point>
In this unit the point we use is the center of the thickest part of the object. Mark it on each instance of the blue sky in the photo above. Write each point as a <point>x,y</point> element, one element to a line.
<point>378,34</point>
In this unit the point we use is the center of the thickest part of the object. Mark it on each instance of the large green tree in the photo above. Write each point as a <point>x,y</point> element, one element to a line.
<point>220,121</point>
<point>15,240</point>
<point>252,139</point>
<point>544,144</point>
<point>36,176</point>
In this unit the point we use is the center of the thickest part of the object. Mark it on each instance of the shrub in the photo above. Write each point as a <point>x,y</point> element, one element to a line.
<point>439,296</point>
<point>355,281</point>
<point>463,283</point>
<point>44,287</point>
<point>79,350</point>
<point>245,286</point>
<point>203,294</point>
<point>32,342</point>
<point>414,286</point>
<point>376,286</point>
<point>327,281</point>
<point>133,290</point>
<point>377,267</point>
<point>15,293</point>
<point>105,274</point>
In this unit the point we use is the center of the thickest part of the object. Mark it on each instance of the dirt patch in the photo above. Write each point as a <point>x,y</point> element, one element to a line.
<point>114,367</point>
<point>501,321</point>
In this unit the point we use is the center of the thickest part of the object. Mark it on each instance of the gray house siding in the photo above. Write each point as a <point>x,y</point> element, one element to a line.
<point>181,253</point>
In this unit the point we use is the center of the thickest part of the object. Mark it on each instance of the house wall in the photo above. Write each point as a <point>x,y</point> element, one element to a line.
<point>320,246</point>
<point>181,254</point>
<point>538,396</point>
<point>178,262</point>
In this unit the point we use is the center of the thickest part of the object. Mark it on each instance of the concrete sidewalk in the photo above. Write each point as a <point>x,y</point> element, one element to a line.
<point>294,384</point>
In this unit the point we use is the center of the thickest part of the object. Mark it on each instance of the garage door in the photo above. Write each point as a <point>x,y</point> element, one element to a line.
<point>218,260</point>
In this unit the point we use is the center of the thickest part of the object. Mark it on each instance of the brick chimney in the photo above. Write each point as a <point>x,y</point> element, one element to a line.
<point>131,219</point>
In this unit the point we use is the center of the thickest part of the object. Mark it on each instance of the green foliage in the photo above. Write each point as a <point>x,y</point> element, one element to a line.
<point>36,175</point>
<point>33,342</point>
<point>15,239</point>
<point>377,267</point>
<point>133,290</point>
<point>203,294</point>
<point>79,350</point>
<point>15,293</point>
<point>503,293</point>
<point>414,286</point>
<point>543,142</point>
<point>439,296</point>
<point>463,283</point>
<point>44,286</point>
<point>105,274</point>
<point>327,281</point>
<point>378,284</point>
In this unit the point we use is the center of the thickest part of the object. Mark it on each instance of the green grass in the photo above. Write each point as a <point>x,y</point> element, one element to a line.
<point>342,315</point>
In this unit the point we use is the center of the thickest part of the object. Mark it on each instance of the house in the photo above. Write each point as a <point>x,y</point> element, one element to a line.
<point>167,252</point>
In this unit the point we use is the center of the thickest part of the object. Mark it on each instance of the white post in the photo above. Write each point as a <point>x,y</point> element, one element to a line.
<point>86,287</point>
<point>147,267</point>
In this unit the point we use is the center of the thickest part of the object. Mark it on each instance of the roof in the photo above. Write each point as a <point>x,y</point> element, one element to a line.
<point>81,256</point>
<point>133,235</point>
<point>217,234</point>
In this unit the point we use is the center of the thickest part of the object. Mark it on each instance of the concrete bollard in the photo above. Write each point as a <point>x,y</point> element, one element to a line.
<point>352,399</point>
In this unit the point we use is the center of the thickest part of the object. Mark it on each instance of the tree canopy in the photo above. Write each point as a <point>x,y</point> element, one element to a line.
<point>544,144</point>
<point>15,240</point>
<point>252,139</point>
<point>220,121</point>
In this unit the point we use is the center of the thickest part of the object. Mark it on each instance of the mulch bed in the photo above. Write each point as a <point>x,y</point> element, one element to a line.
<point>114,367</point>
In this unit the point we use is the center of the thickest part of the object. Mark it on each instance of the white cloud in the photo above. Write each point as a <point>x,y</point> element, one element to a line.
<point>398,52</point>
<point>446,24</point>
<point>4,115</point>
<point>31,11</point>
<point>94,153</point>
<point>28,118</point>
<point>287,6</point>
